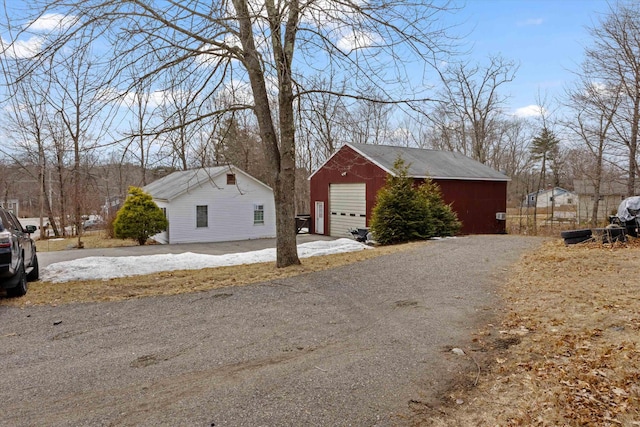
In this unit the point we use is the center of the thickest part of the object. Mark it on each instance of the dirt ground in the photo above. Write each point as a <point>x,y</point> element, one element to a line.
<point>564,348</point>
<point>363,344</point>
<point>566,351</point>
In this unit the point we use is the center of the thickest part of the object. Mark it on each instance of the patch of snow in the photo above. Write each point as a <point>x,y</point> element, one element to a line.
<point>92,268</point>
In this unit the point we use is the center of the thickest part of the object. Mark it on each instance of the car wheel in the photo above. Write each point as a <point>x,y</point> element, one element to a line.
<point>21,288</point>
<point>574,234</point>
<point>574,240</point>
<point>35,273</point>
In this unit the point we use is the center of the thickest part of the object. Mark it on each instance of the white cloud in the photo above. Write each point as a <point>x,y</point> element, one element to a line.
<point>28,48</point>
<point>211,54</point>
<point>236,92</point>
<point>156,98</point>
<point>356,40</point>
<point>52,22</point>
<point>22,48</point>
<point>529,111</point>
<point>599,87</point>
<point>531,22</point>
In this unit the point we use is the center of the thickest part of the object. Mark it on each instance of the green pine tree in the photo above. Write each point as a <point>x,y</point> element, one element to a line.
<point>405,213</point>
<point>445,220</point>
<point>139,218</point>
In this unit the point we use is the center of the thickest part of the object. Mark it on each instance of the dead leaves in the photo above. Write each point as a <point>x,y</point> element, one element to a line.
<point>576,313</point>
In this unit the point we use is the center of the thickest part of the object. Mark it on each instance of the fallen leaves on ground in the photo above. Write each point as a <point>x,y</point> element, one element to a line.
<point>576,313</point>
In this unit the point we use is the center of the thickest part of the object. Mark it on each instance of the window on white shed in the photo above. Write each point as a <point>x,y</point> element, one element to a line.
<point>258,214</point>
<point>202,216</point>
<point>164,212</point>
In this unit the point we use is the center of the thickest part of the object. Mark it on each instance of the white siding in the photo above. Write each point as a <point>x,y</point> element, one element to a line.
<point>230,209</point>
<point>347,208</point>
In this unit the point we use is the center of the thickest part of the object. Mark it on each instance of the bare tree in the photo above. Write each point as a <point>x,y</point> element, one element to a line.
<point>140,140</point>
<point>594,108</point>
<point>471,105</point>
<point>238,143</point>
<point>323,121</point>
<point>614,61</point>
<point>268,48</point>
<point>75,96</point>
<point>369,121</point>
<point>26,124</point>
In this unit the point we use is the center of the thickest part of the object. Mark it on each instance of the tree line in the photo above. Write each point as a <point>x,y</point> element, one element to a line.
<point>119,93</point>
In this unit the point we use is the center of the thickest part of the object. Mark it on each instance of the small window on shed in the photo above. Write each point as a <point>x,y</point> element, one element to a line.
<point>231,179</point>
<point>258,214</point>
<point>164,212</point>
<point>202,216</point>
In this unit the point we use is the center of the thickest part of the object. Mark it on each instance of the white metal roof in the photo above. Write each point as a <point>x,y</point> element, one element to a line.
<point>180,182</point>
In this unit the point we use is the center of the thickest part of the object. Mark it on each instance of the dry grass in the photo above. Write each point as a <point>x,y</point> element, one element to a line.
<point>568,350</point>
<point>178,282</point>
<point>91,239</point>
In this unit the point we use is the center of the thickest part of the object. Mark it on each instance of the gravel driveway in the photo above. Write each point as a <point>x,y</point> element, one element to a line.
<point>348,346</point>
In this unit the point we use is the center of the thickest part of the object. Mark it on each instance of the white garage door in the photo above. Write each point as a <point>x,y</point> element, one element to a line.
<point>347,208</point>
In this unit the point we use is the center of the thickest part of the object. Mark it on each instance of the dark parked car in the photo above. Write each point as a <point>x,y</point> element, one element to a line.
<point>18,259</point>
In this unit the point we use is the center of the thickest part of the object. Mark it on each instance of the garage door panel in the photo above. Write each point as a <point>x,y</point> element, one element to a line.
<point>347,208</point>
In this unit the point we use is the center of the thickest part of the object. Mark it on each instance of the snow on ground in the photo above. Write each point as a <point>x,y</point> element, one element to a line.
<point>92,268</point>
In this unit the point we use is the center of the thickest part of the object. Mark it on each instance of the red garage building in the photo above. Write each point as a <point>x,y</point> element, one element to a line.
<point>344,188</point>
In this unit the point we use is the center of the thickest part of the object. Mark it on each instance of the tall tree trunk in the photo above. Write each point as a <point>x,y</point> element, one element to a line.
<point>63,196</point>
<point>76,193</point>
<point>633,148</point>
<point>281,160</point>
<point>597,182</point>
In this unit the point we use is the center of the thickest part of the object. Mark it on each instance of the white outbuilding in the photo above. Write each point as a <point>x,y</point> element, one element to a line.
<point>215,204</point>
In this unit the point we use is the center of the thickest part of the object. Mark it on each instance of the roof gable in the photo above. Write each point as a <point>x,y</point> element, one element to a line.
<point>180,182</point>
<point>555,191</point>
<point>425,163</point>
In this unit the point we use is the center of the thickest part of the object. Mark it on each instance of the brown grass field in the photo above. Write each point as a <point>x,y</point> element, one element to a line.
<point>90,239</point>
<point>178,282</point>
<point>565,352</point>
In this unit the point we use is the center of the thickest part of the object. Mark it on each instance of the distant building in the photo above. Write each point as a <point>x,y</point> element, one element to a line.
<point>611,194</point>
<point>12,205</point>
<point>553,197</point>
<point>553,205</point>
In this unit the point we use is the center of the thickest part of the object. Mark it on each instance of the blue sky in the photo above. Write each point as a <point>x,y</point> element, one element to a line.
<point>546,37</point>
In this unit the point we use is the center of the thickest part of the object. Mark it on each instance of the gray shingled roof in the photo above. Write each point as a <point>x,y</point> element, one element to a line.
<point>425,163</point>
<point>180,182</point>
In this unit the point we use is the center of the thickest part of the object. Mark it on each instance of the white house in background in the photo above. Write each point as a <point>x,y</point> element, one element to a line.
<point>555,197</point>
<point>12,205</point>
<point>215,204</point>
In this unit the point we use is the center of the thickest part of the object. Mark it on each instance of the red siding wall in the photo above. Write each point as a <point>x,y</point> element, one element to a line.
<point>475,202</point>
<point>357,168</point>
